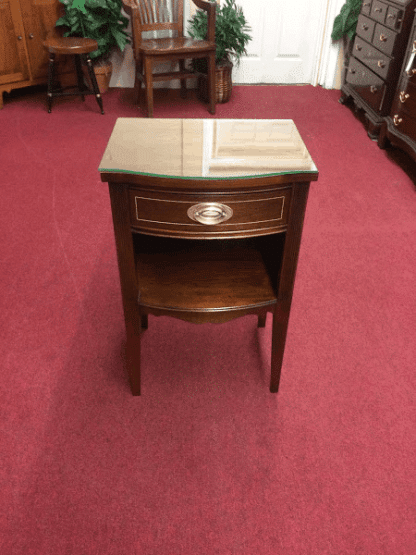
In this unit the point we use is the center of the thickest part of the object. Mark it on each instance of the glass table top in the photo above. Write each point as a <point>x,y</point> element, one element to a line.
<point>206,148</point>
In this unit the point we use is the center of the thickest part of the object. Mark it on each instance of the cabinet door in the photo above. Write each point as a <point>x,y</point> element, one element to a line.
<point>39,18</point>
<point>13,60</point>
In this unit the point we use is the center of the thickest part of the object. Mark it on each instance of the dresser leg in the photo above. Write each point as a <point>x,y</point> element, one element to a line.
<point>261,320</point>
<point>145,322</point>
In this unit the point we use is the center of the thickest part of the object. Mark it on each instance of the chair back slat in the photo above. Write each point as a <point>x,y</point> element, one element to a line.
<point>155,12</point>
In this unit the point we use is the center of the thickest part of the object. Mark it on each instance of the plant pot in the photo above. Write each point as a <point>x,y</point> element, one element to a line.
<point>103,71</point>
<point>223,83</point>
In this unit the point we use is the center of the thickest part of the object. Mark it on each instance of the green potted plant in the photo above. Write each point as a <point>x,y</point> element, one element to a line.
<point>345,25</point>
<point>231,37</point>
<point>101,20</point>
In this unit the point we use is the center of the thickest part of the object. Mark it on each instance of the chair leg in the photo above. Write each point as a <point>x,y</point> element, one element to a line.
<point>94,82</point>
<point>51,72</point>
<point>80,78</point>
<point>211,82</point>
<point>148,67</point>
<point>183,81</point>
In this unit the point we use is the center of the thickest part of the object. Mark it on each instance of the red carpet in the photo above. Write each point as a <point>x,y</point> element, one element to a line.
<point>206,461</point>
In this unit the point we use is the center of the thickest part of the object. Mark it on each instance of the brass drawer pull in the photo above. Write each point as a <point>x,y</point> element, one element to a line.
<point>365,26</point>
<point>373,89</point>
<point>381,64</point>
<point>397,120</point>
<point>358,47</point>
<point>391,16</point>
<point>383,38</point>
<point>378,9</point>
<point>366,4</point>
<point>352,71</point>
<point>210,213</point>
<point>403,97</point>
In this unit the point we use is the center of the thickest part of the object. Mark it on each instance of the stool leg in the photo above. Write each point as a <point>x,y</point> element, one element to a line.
<point>51,71</point>
<point>94,82</point>
<point>78,67</point>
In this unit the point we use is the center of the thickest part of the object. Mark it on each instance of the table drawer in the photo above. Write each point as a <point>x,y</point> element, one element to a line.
<point>198,216</point>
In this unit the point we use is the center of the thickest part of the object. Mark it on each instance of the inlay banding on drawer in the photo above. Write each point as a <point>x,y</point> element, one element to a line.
<point>164,214</point>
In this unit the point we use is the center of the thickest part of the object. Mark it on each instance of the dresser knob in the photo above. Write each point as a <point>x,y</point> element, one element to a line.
<point>391,16</point>
<point>365,27</point>
<point>381,64</point>
<point>210,213</point>
<point>397,120</point>
<point>373,89</point>
<point>366,4</point>
<point>378,10</point>
<point>31,35</point>
<point>358,47</point>
<point>383,38</point>
<point>20,37</point>
<point>403,97</point>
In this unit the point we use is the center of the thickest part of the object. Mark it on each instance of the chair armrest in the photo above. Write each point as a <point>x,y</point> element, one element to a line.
<point>210,8</point>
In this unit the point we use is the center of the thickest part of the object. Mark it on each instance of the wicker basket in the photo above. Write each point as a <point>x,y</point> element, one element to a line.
<point>223,84</point>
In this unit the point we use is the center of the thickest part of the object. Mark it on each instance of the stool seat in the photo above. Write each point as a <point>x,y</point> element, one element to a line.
<point>70,45</point>
<point>80,49</point>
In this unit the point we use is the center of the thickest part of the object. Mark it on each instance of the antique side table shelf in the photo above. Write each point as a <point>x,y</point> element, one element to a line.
<point>208,217</point>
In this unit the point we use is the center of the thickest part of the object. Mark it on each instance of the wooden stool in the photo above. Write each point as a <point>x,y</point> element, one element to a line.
<point>79,48</point>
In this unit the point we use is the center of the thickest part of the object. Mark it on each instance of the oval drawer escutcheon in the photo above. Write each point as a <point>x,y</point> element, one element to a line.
<point>210,213</point>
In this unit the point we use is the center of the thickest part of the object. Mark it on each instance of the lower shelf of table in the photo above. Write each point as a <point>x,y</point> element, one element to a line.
<point>208,276</point>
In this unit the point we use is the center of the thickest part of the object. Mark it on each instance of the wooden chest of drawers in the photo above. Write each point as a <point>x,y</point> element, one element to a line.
<point>399,127</point>
<point>374,67</point>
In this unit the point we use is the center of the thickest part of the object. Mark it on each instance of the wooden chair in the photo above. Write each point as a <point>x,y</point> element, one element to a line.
<point>167,15</point>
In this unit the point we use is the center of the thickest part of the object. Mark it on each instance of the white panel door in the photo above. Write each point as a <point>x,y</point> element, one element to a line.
<point>287,41</point>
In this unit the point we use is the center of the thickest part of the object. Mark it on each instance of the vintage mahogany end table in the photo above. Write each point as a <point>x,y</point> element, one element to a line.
<point>208,218</point>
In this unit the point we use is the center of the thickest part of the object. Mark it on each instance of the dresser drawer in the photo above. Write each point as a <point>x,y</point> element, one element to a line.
<point>366,7</point>
<point>394,18</point>
<point>367,84</point>
<point>405,99</point>
<point>199,216</point>
<point>365,28</point>
<point>379,11</point>
<point>404,123</point>
<point>384,39</point>
<point>374,59</point>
